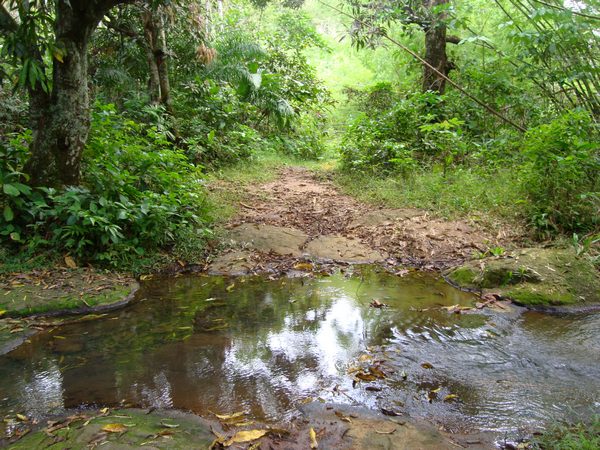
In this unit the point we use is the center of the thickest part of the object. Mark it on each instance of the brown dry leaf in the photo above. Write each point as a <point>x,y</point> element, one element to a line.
<point>376,371</point>
<point>114,428</point>
<point>245,436</point>
<point>365,376</point>
<point>377,304</point>
<point>365,357</point>
<point>70,262</point>
<point>342,417</point>
<point>313,439</point>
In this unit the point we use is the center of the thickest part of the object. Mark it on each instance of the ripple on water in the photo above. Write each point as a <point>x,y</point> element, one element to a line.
<point>199,344</point>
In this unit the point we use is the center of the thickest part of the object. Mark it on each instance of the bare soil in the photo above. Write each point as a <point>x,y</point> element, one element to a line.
<point>300,215</point>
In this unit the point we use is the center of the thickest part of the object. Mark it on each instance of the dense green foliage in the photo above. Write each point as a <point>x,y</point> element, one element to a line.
<point>183,89</point>
<point>239,86</point>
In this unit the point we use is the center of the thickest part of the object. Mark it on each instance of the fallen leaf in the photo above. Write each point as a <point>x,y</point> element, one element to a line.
<point>386,432</point>
<point>342,416</point>
<point>169,425</point>
<point>427,365</point>
<point>245,436</point>
<point>377,304</point>
<point>303,266</point>
<point>114,428</point>
<point>230,416</point>
<point>70,262</point>
<point>450,397</point>
<point>313,439</point>
<point>2,312</point>
<point>22,418</point>
<point>104,410</point>
<point>230,287</point>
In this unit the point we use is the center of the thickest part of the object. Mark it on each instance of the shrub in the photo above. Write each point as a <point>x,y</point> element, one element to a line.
<point>561,174</point>
<point>138,194</point>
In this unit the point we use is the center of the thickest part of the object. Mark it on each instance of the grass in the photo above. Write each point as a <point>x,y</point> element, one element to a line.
<point>581,436</point>
<point>462,193</point>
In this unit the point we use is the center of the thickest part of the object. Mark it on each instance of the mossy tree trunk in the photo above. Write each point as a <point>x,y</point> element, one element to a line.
<point>61,119</point>
<point>435,48</point>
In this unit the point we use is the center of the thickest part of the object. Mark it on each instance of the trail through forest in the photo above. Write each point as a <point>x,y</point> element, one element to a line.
<point>302,215</point>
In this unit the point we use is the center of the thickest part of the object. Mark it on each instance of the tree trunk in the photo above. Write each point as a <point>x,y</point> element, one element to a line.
<point>435,50</point>
<point>156,55</point>
<point>62,122</point>
<point>150,38</point>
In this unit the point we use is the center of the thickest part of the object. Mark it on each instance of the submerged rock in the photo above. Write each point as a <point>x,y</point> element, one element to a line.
<point>533,277</point>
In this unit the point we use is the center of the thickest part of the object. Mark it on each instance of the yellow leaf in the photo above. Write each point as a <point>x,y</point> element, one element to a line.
<point>58,55</point>
<point>22,418</point>
<point>104,410</point>
<point>313,439</point>
<point>303,266</point>
<point>114,428</point>
<point>70,262</point>
<point>437,390</point>
<point>146,277</point>
<point>230,287</point>
<point>230,416</point>
<point>2,312</point>
<point>245,436</point>
<point>427,365</point>
<point>450,397</point>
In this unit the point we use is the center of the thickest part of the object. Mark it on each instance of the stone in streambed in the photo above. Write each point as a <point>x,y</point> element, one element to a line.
<point>339,248</point>
<point>539,277</point>
<point>269,238</point>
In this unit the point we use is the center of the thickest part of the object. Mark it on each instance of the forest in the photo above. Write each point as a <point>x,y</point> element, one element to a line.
<point>245,153</point>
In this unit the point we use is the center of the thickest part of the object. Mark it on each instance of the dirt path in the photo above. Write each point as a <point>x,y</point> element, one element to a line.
<point>302,217</point>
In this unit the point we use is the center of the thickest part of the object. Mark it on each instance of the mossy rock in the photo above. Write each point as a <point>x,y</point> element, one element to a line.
<point>124,429</point>
<point>56,292</point>
<point>533,277</point>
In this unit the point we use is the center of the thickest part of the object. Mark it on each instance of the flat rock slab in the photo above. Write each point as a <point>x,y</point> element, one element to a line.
<point>369,429</point>
<point>139,430</point>
<point>235,263</point>
<point>269,238</point>
<point>339,248</point>
<point>384,217</point>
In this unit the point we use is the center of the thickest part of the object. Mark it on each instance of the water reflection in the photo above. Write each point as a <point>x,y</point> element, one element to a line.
<point>212,344</point>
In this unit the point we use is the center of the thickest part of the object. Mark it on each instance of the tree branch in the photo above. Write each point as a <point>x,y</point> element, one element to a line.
<point>453,39</point>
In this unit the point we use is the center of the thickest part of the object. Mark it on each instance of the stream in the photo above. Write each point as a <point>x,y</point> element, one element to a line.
<point>216,344</point>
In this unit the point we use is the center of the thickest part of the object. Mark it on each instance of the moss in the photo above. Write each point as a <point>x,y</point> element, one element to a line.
<point>27,294</point>
<point>534,277</point>
<point>161,429</point>
<point>540,295</point>
<point>464,277</point>
<point>24,309</point>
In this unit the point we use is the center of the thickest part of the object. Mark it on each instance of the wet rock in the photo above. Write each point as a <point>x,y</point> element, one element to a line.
<point>533,277</point>
<point>339,248</point>
<point>356,428</point>
<point>140,430</point>
<point>235,263</point>
<point>269,238</point>
<point>384,217</point>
